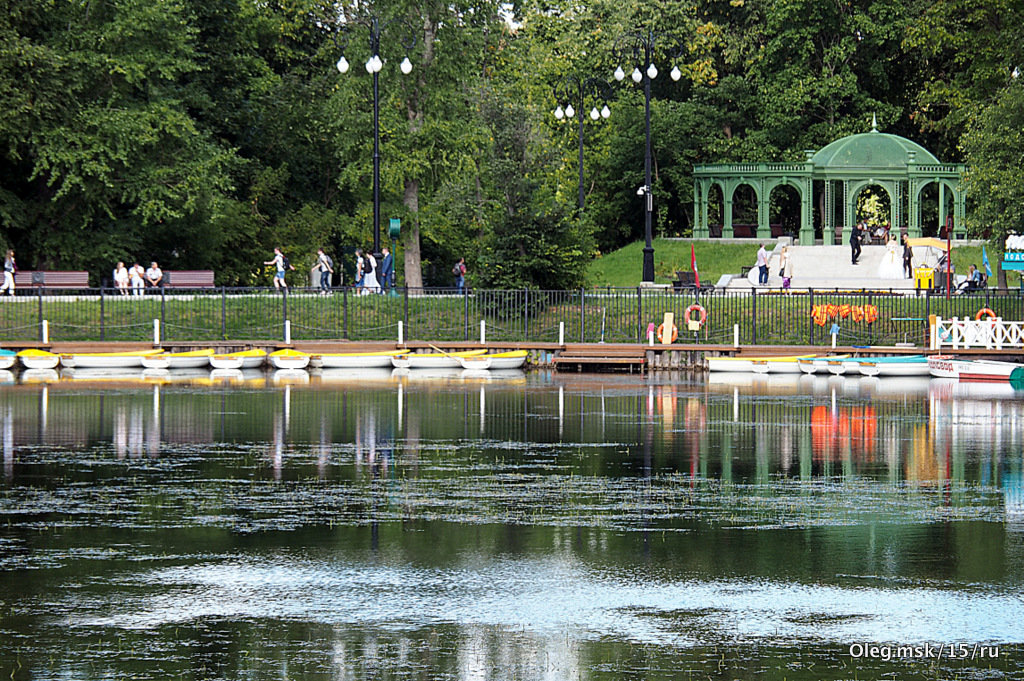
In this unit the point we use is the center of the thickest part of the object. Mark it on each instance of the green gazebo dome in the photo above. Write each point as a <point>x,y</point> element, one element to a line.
<point>872,150</point>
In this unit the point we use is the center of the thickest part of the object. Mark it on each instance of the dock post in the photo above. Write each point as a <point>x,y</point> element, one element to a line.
<point>287,332</point>
<point>156,332</point>
<point>483,331</point>
<point>561,333</point>
<point>401,332</point>
<point>44,332</point>
<point>736,335</point>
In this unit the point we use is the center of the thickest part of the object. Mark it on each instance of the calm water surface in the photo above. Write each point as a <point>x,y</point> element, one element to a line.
<point>516,527</point>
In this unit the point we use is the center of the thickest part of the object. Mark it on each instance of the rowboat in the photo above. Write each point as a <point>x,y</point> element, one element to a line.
<point>38,359</point>
<point>243,359</point>
<point>777,365</point>
<point>514,359</point>
<point>106,360</point>
<point>193,359</point>
<point>433,360</point>
<point>7,358</point>
<point>818,365</point>
<point>908,365</point>
<point>357,360</point>
<point>760,365</point>
<point>849,365</point>
<point>948,366</point>
<point>289,359</point>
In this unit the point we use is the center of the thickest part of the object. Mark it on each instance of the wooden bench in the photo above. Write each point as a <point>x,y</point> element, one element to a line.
<point>50,279</point>
<point>188,278</point>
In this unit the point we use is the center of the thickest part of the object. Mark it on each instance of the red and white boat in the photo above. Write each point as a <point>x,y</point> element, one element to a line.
<point>948,366</point>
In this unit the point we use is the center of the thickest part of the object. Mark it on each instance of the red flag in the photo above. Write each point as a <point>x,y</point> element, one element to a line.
<point>693,266</point>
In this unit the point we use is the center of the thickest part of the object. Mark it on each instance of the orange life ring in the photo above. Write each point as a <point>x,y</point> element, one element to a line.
<point>698,308</point>
<point>675,332</point>
<point>984,311</point>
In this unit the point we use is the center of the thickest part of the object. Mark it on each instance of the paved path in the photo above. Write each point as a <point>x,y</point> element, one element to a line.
<point>827,267</point>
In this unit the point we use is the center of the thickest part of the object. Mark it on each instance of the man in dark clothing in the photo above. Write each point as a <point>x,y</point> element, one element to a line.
<point>855,244</point>
<point>387,266</point>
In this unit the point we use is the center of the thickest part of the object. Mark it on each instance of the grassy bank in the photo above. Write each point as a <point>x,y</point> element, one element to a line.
<point>623,267</point>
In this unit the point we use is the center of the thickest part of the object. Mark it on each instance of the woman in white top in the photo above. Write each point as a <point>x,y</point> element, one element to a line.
<point>121,278</point>
<point>891,266</point>
<point>370,275</point>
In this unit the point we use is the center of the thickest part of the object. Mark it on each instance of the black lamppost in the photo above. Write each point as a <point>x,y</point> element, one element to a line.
<point>638,49</point>
<point>575,89</point>
<point>373,66</point>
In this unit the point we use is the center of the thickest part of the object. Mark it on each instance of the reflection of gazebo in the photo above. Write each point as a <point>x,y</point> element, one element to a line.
<point>902,168</point>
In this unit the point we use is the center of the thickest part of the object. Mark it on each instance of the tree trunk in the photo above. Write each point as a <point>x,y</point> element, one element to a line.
<point>411,259</point>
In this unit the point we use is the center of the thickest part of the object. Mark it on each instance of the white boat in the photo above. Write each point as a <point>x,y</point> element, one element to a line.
<point>777,365</point>
<point>910,365</point>
<point>38,359</point>
<point>106,360</point>
<point>514,359</point>
<point>193,359</point>
<point>289,359</point>
<point>358,360</point>
<point>948,366</point>
<point>730,364</point>
<point>818,365</point>
<point>7,358</point>
<point>243,359</point>
<point>433,360</point>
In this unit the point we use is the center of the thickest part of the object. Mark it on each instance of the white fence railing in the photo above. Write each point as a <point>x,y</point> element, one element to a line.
<point>992,334</point>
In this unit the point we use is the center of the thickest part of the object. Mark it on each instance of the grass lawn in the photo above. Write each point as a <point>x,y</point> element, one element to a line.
<point>624,266</point>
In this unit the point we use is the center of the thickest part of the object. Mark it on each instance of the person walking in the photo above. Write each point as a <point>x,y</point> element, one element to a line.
<point>325,265</point>
<point>855,244</point>
<point>762,265</point>
<point>10,267</point>
<point>908,258</point>
<point>459,271</point>
<point>360,273</point>
<point>370,270</point>
<point>387,270</point>
<point>281,265</point>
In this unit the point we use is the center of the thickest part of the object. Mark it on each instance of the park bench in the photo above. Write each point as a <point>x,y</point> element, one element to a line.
<point>50,279</point>
<point>687,281</point>
<point>188,279</point>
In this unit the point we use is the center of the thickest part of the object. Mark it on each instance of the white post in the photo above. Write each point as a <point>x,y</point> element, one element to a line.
<point>561,333</point>
<point>483,331</point>
<point>933,335</point>
<point>287,332</point>
<point>834,341</point>
<point>650,338</point>
<point>46,332</point>
<point>156,332</point>
<point>401,333</point>
<point>735,335</point>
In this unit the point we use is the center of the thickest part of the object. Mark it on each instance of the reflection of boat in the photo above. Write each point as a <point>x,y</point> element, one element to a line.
<point>818,365</point>
<point>191,375</point>
<point>898,386</point>
<point>236,375</point>
<point>102,373</point>
<point>770,383</point>
<point>7,358</point>
<point>948,366</point>
<point>514,359</point>
<point>289,359</point>
<point>38,359</point>
<point>952,388</point>
<point>433,360</point>
<point>6,376</point>
<point>290,376</point>
<point>39,376</point>
<point>355,376</point>
<point>428,374</point>
<point>912,365</point>
<point>357,360</point>
<point>243,359</point>
<point>193,359</point>
<point>106,360</point>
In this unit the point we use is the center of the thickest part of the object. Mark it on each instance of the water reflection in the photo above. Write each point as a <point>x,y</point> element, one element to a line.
<point>475,528</point>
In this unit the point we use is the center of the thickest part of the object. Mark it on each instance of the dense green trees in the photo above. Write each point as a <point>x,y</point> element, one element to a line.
<point>202,134</point>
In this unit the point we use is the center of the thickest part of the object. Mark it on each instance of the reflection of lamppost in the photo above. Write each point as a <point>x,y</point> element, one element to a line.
<point>638,49</point>
<point>575,89</point>
<point>373,66</point>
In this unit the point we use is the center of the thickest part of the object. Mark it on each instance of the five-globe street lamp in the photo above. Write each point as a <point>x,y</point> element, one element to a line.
<point>576,89</point>
<point>373,66</point>
<point>638,49</point>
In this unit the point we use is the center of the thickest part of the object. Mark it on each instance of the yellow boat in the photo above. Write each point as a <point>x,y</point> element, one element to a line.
<point>357,360</point>
<point>106,360</point>
<point>514,359</point>
<point>38,359</point>
<point>243,359</point>
<point>289,359</point>
<point>193,359</point>
<point>433,360</point>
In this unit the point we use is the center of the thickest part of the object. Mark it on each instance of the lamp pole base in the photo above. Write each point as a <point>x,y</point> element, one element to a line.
<point>648,273</point>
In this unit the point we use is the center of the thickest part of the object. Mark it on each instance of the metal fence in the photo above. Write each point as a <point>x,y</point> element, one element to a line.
<point>583,315</point>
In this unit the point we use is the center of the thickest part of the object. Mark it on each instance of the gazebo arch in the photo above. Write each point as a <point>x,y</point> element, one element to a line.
<point>900,166</point>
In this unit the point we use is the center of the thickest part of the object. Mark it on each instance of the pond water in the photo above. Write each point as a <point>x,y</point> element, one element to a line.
<point>517,527</point>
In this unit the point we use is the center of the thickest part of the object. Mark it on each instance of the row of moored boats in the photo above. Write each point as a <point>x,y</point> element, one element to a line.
<point>939,366</point>
<point>253,359</point>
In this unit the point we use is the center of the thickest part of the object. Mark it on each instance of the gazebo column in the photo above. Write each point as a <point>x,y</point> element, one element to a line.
<point>849,212</point>
<point>914,201</point>
<point>807,211</point>
<point>959,215</point>
<point>764,229</point>
<point>728,188</point>
<point>828,220</point>
<point>942,206</point>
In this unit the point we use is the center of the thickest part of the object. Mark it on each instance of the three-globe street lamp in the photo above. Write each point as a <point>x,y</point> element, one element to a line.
<point>638,49</point>
<point>576,89</point>
<point>373,66</point>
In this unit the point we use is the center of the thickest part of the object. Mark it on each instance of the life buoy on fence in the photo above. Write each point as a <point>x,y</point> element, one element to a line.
<point>661,335</point>
<point>984,311</point>
<point>701,313</point>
